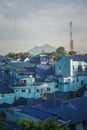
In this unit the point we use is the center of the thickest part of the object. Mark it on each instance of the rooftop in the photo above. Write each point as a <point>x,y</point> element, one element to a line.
<point>69,112</point>
<point>78,57</point>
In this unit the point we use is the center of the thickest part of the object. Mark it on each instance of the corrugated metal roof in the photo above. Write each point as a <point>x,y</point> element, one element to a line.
<point>2,58</point>
<point>39,59</point>
<point>19,65</point>
<point>4,88</point>
<point>73,111</point>
<point>75,57</point>
<point>80,104</point>
<point>78,57</point>
<point>36,113</point>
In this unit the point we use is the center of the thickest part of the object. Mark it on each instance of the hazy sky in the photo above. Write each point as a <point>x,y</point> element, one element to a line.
<point>41,22</point>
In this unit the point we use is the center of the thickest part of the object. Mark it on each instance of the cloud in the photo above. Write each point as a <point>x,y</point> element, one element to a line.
<point>42,21</point>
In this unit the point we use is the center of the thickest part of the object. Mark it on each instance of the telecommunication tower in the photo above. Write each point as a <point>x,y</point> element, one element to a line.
<point>71,39</point>
<point>15,31</point>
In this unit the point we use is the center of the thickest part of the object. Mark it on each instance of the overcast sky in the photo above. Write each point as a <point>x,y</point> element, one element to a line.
<point>27,23</point>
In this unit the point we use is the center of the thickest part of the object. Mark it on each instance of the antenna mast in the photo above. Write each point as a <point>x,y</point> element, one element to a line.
<point>71,40</point>
<point>15,30</point>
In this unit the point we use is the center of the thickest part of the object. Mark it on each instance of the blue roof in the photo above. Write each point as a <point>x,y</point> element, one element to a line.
<point>75,111</point>
<point>19,65</point>
<point>68,113</point>
<point>65,113</point>
<point>8,78</point>
<point>36,113</point>
<point>43,70</point>
<point>39,77</point>
<point>4,88</point>
<point>51,78</point>
<point>72,112</point>
<point>38,59</point>
<point>80,104</point>
<point>2,58</point>
<point>78,57</point>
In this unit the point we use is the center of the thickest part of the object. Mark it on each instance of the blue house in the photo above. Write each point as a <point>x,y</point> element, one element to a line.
<point>39,59</point>
<point>6,93</point>
<point>72,72</point>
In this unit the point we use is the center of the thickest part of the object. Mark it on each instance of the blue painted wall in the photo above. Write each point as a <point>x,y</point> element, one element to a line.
<point>62,67</point>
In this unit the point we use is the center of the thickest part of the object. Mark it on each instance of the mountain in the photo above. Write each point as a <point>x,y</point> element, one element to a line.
<point>38,49</point>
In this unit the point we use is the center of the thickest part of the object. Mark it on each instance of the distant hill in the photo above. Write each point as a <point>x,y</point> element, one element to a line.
<point>38,49</point>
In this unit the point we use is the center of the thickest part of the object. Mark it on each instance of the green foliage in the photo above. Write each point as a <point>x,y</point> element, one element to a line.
<point>26,124</point>
<point>17,55</point>
<point>59,52</point>
<point>2,123</point>
<point>71,52</point>
<point>49,124</point>
<point>55,55</point>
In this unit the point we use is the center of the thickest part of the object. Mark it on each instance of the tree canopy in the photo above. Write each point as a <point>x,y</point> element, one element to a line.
<point>59,52</point>
<point>17,55</point>
<point>2,123</point>
<point>71,52</point>
<point>26,124</point>
<point>49,124</point>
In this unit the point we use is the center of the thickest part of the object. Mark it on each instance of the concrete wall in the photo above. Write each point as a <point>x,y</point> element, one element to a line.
<point>72,83</point>
<point>7,98</point>
<point>34,91</point>
<point>63,67</point>
<point>15,116</point>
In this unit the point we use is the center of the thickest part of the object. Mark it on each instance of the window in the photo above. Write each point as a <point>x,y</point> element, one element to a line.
<point>56,86</point>
<point>73,67</point>
<point>37,90</point>
<point>29,90</point>
<point>22,82</point>
<point>48,89</point>
<point>65,83</point>
<point>85,68</point>
<point>41,91</point>
<point>16,90</point>
<point>82,82</point>
<point>73,81</point>
<point>79,68</point>
<point>77,78</point>
<point>23,91</point>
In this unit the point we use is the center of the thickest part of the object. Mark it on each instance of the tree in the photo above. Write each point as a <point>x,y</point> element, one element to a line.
<point>71,52</point>
<point>17,55</point>
<point>55,55</point>
<point>51,124</point>
<point>59,52</point>
<point>2,123</point>
<point>26,124</point>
